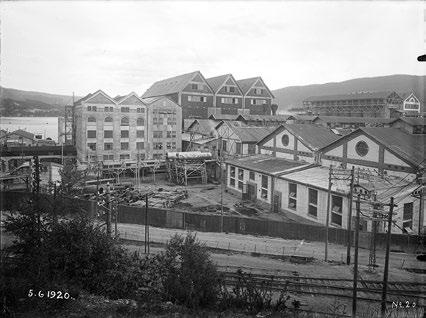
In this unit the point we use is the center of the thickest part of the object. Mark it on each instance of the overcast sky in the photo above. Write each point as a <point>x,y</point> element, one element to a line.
<point>61,47</point>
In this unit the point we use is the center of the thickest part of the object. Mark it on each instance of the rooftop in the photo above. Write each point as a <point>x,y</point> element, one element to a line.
<point>350,120</point>
<point>206,126</point>
<point>351,96</point>
<point>251,134</point>
<point>275,118</point>
<point>413,121</point>
<point>267,164</point>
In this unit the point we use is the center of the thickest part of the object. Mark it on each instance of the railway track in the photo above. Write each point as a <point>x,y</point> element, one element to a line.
<point>367,290</point>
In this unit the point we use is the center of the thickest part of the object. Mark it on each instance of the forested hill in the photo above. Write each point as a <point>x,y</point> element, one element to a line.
<point>293,96</point>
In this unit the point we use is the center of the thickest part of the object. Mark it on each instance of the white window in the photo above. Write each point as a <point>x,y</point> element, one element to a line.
<point>254,101</point>
<point>232,176</point>
<point>292,196</point>
<point>264,187</point>
<point>312,202</point>
<point>336,209</point>
<point>258,91</point>
<point>192,98</point>
<point>240,178</point>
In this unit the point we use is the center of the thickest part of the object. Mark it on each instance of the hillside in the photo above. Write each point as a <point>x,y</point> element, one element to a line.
<point>18,103</point>
<point>293,96</point>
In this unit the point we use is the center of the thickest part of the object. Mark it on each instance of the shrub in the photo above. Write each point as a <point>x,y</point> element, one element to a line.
<point>187,274</point>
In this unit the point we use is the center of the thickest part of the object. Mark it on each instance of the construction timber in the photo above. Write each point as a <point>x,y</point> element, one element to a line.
<point>184,166</point>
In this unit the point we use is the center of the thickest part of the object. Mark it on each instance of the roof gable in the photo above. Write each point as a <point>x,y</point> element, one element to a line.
<point>247,84</point>
<point>216,83</point>
<point>131,99</point>
<point>99,97</point>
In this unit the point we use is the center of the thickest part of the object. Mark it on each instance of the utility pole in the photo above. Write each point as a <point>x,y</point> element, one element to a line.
<point>386,269</point>
<point>146,225</point>
<point>221,184</point>
<point>108,209</point>
<point>349,238</point>
<point>354,295</point>
<point>328,214</point>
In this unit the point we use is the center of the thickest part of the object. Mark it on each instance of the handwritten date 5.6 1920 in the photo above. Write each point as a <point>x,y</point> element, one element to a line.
<point>50,294</point>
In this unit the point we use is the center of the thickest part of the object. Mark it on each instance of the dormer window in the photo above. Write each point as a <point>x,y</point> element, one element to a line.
<point>230,89</point>
<point>194,86</point>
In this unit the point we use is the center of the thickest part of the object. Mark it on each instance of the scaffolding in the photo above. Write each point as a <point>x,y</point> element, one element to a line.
<point>182,167</point>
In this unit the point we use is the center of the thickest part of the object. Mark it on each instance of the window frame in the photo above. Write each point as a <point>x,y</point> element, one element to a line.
<point>292,195</point>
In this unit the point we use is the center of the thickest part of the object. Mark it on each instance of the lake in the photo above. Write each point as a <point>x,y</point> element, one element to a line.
<point>45,126</point>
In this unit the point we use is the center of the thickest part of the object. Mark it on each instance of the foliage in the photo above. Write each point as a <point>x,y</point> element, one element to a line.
<point>72,179</point>
<point>186,273</point>
<point>253,296</point>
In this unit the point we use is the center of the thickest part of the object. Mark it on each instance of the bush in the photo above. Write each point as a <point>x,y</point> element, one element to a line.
<point>187,274</point>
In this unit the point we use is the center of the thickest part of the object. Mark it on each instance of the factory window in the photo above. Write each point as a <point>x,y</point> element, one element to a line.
<point>140,133</point>
<point>336,209</point>
<point>91,108</point>
<point>124,146</point>
<point>361,148</point>
<point>197,99</point>
<point>313,202</point>
<point>108,157</point>
<point>251,149</point>
<point>108,146</point>
<point>140,110</point>
<point>91,119</point>
<point>230,89</point>
<point>194,86</point>
<point>240,178</point>
<point>124,134</point>
<point>92,146</point>
<point>229,100</point>
<point>125,109</point>
<point>108,119</point>
<point>125,156</point>
<point>407,216</point>
<point>157,121</point>
<point>264,188</point>
<point>140,145</point>
<point>292,196</point>
<point>285,140</point>
<point>107,133</point>
<point>157,134</point>
<point>140,121</point>
<point>171,134</point>
<point>171,120</point>
<point>108,109</point>
<point>91,134</point>
<point>158,145</point>
<point>124,121</point>
<point>252,175</point>
<point>238,148</point>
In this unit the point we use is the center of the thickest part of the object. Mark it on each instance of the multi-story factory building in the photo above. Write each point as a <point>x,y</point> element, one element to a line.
<point>115,129</point>
<point>361,104</point>
<point>200,98</point>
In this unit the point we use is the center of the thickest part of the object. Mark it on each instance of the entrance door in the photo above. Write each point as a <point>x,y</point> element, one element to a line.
<point>251,191</point>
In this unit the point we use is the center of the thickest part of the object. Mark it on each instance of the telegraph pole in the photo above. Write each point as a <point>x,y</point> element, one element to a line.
<point>221,184</point>
<point>108,209</point>
<point>349,238</point>
<point>386,269</point>
<point>354,295</point>
<point>328,214</point>
<point>146,225</point>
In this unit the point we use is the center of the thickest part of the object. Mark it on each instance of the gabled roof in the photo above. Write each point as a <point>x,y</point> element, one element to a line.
<point>120,99</point>
<point>268,118</point>
<point>88,97</point>
<point>306,117</point>
<point>170,85</point>
<point>22,133</point>
<point>349,120</point>
<point>405,95</point>
<point>151,100</point>
<point>217,82</point>
<point>206,126</point>
<point>409,147</point>
<point>312,136</point>
<point>351,96</point>
<point>247,83</point>
<point>268,165</point>
<point>223,117</point>
<point>251,134</point>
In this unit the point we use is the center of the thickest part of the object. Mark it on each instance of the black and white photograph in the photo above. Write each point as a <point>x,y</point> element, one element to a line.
<point>212,159</point>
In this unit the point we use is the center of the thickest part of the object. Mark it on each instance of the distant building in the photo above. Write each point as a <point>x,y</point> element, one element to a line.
<point>352,122</point>
<point>265,120</point>
<point>199,98</point>
<point>411,125</point>
<point>361,104</point>
<point>18,138</point>
<point>411,105</point>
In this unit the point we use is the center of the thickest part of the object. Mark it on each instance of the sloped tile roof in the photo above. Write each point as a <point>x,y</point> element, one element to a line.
<point>22,133</point>
<point>169,85</point>
<point>268,164</point>
<point>315,137</point>
<point>351,96</point>
<point>223,117</point>
<point>216,82</point>
<point>246,83</point>
<point>251,134</point>
<point>408,146</point>
<point>413,121</point>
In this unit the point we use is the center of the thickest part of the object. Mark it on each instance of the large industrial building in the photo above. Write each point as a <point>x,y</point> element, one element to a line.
<point>200,97</point>
<point>118,129</point>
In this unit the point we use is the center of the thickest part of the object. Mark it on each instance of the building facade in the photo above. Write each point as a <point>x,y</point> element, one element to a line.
<point>361,104</point>
<point>257,97</point>
<point>118,129</point>
<point>228,97</point>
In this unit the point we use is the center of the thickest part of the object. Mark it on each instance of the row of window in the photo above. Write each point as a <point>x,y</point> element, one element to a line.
<point>251,149</point>
<point>109,134</point>
<point>110,109</point>
<point>159,145</point>
<point>229,100</point>
<point>202,99</point>
<point>140,145</point>
<point>169,134</point>
<point>124,121</point>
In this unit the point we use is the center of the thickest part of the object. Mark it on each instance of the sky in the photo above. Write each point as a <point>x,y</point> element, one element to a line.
<point>119,47</point>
